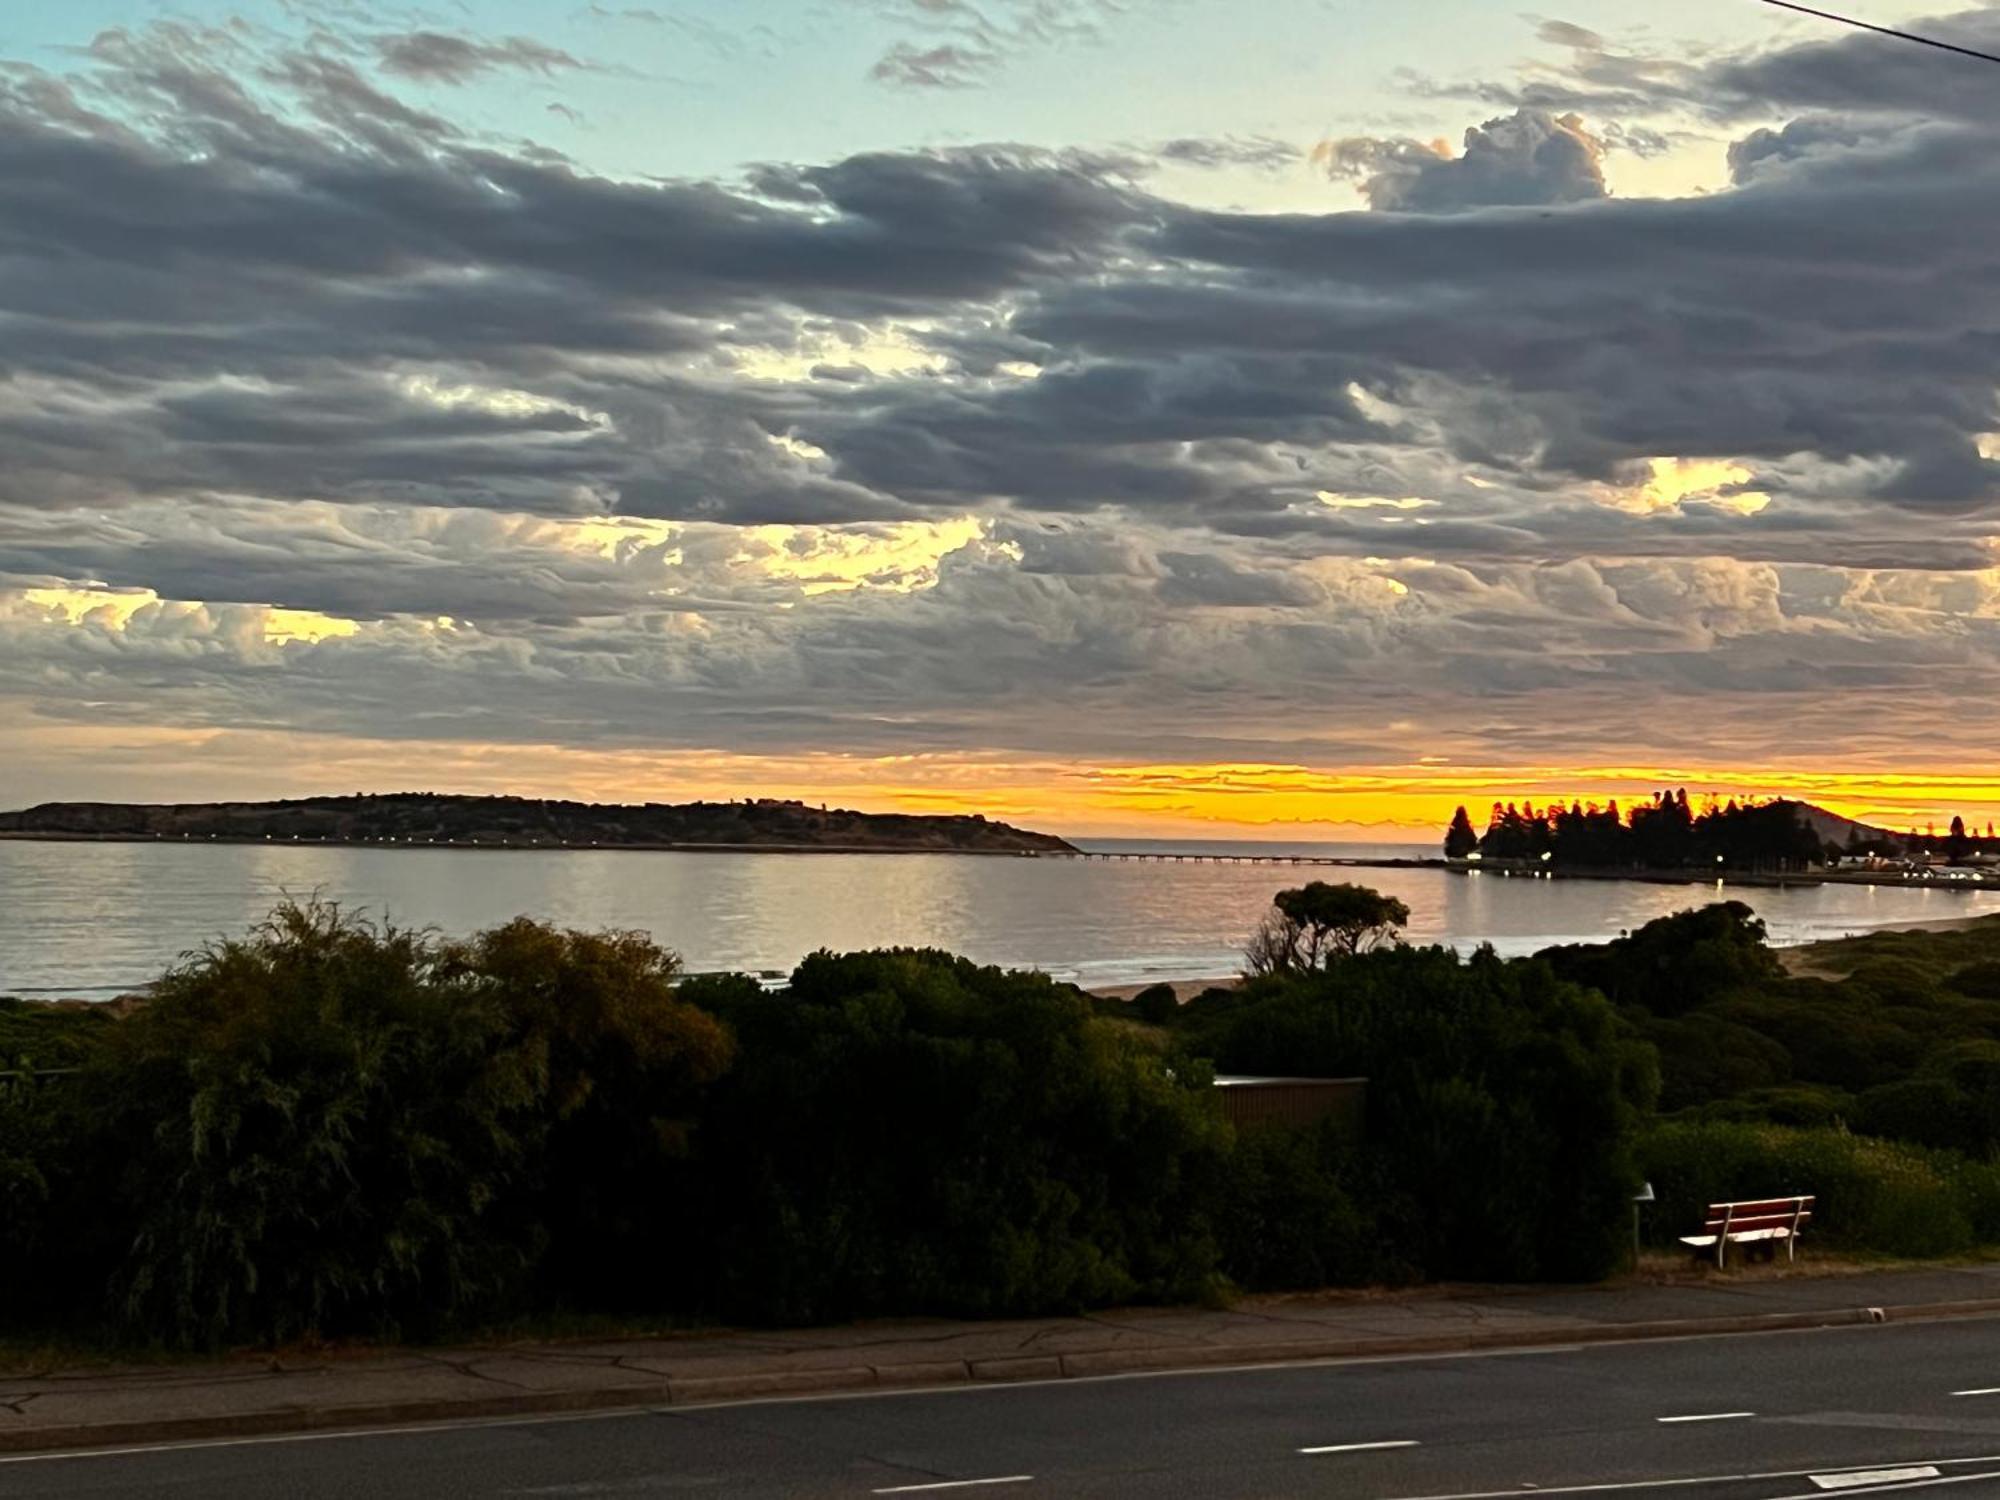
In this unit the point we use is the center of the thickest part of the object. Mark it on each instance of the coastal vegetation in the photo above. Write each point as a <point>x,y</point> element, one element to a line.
<point>1866,1071</point>
<point>334,1127</point>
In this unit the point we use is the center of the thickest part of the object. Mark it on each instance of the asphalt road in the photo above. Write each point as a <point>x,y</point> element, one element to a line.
<point>1741,1418</point>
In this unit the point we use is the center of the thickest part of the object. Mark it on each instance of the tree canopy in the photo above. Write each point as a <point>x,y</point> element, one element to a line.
<point>1319,924</point>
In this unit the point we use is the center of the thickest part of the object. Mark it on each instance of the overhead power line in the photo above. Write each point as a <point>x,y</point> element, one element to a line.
<point>1901,36</point>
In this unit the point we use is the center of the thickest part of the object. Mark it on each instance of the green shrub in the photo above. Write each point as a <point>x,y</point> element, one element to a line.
<point>619,1063</point>
<point>1975,1187</point>
<point>1675,963</point>
<point>1704,1057</point>
<point>1502,1102</point>
<point>1871,1195</point>
<point>1892,981</point>
<point>36,1035</point>
<point>38,1277</point>
<point>1741,1030</point>
<point>26,1162</point>
<point>1156,1004</point>
<point>1833,1034</point>
<point>337,1127</point>
<point>1297,1211</point>
<point>1980,980</point>
<point>909,1132</point>
<point>1804,1104</point>
<point>1927,1111</point>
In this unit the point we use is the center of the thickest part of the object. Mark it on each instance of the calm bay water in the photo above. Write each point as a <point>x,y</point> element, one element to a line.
<point>84,919</point>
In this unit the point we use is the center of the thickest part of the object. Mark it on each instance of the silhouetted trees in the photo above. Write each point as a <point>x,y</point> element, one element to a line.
<point>1315,925</point>
<point>1665,833</point>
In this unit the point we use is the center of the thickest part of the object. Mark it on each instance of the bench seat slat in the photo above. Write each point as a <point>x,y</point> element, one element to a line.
<point>1759,1207</point>
<point>1762,1221</point>
<point>1707,1241</point>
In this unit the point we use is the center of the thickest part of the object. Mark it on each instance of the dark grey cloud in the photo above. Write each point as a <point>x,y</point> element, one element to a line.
<point>946,65</point>
<point>1809,66</point>
<point>275,335</point>
<point>1528,158</point>
<point>347,299</point>
<point>1844,70</point>
<point>1204,579</point>
<point>443,57</point>
<point>1260,153</point>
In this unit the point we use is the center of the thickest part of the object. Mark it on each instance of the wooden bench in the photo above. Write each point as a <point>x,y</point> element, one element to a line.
<point>1762,1226</point>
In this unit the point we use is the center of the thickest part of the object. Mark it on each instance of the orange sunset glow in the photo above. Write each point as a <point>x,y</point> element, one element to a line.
<point>1408,803</point>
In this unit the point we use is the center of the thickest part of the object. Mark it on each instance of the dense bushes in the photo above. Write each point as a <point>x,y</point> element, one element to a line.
<point>1892,1034</point>
<point>1871,1078</point>
<point>906,1131</point>
<point>336,1127</point>
<point>1503,1102</point>
<point>1299,1208</point>
<point>333,1127</point>
<point>37,1145</point>
<point>1675,963</point>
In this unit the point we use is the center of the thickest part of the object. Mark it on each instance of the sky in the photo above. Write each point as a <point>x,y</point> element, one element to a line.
<point>1281,418</point>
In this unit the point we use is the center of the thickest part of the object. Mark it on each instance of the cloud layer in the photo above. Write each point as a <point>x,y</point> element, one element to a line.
<point>998,447</point>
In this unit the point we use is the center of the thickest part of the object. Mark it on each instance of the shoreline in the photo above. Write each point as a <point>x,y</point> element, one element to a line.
<point>1187,986</point>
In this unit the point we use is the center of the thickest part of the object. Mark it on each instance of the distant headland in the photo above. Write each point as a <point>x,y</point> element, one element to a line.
<point>405,819</point>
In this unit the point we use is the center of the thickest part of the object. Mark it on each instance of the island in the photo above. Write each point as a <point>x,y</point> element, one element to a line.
<point>404,819</point>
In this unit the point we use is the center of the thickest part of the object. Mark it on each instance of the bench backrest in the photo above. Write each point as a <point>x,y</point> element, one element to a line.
<point>1762,1213</point>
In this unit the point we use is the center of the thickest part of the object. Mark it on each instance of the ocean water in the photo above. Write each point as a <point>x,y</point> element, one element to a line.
<point>101,919</point>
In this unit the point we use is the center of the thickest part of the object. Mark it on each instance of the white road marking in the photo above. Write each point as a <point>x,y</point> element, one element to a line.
<point>953,1484</point>
<point>1860,1477</point>
<point>1362,1447</point>
<point>1987,1390</point>
<point>1709,1416</point>
<point>1897,1489</point>
<point>1632,1485</point>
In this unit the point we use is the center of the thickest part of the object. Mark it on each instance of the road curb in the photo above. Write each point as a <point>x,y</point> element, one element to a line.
<point>698,1390</point>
